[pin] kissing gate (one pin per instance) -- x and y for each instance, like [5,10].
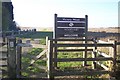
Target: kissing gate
[70,36]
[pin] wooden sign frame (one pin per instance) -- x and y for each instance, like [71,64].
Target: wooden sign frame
[68,27]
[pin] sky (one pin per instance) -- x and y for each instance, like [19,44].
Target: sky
[40,13]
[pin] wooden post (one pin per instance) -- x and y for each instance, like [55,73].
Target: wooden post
[86,29]
[12,57]
[55,36]
[50,60]
[94,54]
[111,53]
[115,55]
[55,28]
[46,40]
[55,55]
[19,51]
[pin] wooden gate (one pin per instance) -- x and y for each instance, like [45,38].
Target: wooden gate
[74,45]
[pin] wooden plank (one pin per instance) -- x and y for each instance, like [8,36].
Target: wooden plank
[3,58]
[32,45]
[118,43]
[102,42]
[2,44]
[3,49]
[24,45]
[73,50]
[82,45]
[3,65]
[38,46]
[83,59]
[39,56]
[103,54]
[77,72]
[50,60]
[42,53]
[102,65]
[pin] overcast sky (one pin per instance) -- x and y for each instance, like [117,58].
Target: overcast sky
[40,13]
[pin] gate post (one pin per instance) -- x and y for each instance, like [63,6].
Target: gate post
[111,53]
[85,42]
[94,54]
[12,57]
[18,62]
[55,55]
[47,40]
[115,55]
[50,60]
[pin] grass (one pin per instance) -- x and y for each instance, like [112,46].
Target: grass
[28,70]
[63,65]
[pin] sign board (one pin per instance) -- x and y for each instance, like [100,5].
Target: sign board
[67,27]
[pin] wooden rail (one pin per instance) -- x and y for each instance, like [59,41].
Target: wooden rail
[103,54]
[39,56]
[83,59]
[102,65]
[83,45]
[78,72]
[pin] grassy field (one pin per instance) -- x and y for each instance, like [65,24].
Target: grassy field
[30,70]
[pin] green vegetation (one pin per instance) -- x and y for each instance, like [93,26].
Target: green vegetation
[64,65]
[35,51]
[43,41]
[27,69]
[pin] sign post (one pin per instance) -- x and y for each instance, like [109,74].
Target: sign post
[72,28]
[12,57]
[67,27]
